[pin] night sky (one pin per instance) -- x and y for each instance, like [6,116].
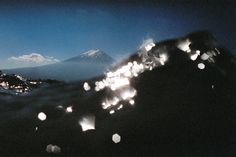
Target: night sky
[63,29]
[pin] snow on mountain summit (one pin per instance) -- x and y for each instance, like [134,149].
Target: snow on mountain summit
[94,55]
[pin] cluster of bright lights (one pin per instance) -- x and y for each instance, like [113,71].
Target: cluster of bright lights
[120,78]
[20,88]
[209,56]
[4,85]
[118,81]
[17,89]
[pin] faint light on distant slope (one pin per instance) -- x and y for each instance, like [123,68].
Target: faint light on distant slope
[87,123]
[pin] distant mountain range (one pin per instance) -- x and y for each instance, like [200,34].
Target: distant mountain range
[83,66]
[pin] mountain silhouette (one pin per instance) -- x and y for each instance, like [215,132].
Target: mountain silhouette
[92,56]
[175,99]
[73,69]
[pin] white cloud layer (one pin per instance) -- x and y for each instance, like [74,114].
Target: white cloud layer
[34,58]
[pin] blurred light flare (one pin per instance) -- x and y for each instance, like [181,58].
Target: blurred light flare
[87,123]
[53,149]
[69,109]
[184,45]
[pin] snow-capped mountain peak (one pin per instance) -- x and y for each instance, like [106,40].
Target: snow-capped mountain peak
[92,53]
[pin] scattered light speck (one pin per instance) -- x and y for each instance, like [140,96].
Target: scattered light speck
[86,86]
[194,56]
[201,66]
[112,112]
[59,107]
[131,102]
[69,109]
[53,149]
[120,107]
[116,138]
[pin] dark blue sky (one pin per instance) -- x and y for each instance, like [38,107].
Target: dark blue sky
[64,30]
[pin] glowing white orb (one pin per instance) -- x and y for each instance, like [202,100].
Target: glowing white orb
[86,86]
[116,138]
[112,112]
[42,116]
[201,66]
[131,102]
[69,109]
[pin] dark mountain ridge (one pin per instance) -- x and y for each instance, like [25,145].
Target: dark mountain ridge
[178,99]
